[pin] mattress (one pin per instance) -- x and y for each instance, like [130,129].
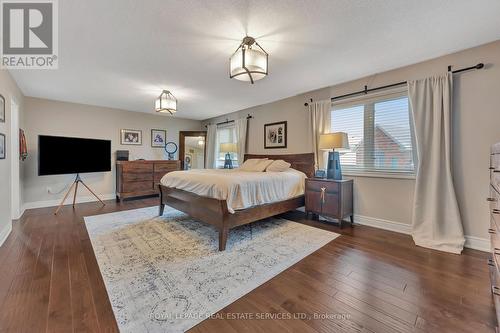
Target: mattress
[241,189]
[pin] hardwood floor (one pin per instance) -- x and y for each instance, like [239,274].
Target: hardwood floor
[367,280]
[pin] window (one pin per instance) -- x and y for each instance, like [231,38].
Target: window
[380,134]
[226,134]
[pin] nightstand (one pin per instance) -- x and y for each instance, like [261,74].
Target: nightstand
[331,198]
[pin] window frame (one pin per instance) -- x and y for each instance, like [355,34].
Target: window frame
[369,122]
[219,162]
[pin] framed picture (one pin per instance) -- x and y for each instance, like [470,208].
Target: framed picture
[275,135]
[2,146]
[158,138]
[131,137]
[2,109]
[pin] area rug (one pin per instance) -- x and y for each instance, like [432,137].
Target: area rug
[165,274]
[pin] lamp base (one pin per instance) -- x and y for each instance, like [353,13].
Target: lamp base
[333,170]
[228,163]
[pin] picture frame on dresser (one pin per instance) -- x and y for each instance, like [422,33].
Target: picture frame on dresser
[3,148]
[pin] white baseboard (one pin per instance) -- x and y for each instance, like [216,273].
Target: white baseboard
[20,213]
[56,202]
[471,242]
[5,232]
[402,228]
[477,243]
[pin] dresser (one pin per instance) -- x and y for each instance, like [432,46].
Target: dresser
[331,198]
[140,178]
[494,230]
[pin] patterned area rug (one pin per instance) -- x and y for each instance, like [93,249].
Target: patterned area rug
[165,274]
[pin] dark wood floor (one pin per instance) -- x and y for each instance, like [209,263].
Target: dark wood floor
[367,280]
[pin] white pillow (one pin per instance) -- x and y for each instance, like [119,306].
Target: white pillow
[255,164]
[278,166]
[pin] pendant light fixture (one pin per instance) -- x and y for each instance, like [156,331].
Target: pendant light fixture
[249,62]
[166,103]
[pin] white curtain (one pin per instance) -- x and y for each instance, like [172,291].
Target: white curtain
[241,137]
[436,221]
[319,123]
[211,146]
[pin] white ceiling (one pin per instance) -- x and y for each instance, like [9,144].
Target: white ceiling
[122,53]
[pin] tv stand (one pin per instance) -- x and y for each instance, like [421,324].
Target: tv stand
[75,184]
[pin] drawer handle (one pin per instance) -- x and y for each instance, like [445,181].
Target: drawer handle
[496,211]
[491,262]
[322,195]
[495,290]
[491,168]
[496,170]
[491,199]
[496,250]
[491,231]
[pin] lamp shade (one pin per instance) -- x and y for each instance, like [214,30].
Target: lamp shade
[249,62]
[166,103]
[228,147]
[333,140]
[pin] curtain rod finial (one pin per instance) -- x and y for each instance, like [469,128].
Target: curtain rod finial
[480,65]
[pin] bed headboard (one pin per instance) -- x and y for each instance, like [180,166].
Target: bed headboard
[301,162]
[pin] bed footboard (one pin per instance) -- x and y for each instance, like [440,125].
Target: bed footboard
[215,212]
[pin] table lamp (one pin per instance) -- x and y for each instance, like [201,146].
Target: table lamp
[331,141]
[228,148]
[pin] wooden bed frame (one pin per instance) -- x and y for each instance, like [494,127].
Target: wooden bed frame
[215,212]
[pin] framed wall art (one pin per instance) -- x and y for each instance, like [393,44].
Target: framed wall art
[3,149]
[158,138]
[275,135]
[2,109]
[131,137]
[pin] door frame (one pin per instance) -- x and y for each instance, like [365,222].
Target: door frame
[182,137]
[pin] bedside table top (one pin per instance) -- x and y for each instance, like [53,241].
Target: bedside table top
[328,180]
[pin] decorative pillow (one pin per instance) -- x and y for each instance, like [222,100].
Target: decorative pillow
[255,164]
[278,166]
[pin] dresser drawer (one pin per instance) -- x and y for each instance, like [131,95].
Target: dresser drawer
[167,167]
[493,198]
[137,167]
[137,186]
[495,161]
[495,289]
[134,177]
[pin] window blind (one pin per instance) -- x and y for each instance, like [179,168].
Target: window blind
[379,131]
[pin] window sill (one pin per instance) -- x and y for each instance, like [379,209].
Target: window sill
[392,175]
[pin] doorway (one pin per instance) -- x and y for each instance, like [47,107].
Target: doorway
[192,149]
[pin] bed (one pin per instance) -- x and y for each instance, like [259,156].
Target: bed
[224,217]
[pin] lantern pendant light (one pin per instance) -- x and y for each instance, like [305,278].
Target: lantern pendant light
[249,62]
[166,103]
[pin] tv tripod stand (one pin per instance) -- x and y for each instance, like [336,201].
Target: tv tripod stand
[75,184]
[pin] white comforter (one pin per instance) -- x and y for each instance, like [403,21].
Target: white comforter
[241,189]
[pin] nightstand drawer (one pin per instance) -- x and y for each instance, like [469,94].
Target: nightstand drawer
[317,186]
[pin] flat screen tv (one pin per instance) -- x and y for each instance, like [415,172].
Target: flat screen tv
[59,155]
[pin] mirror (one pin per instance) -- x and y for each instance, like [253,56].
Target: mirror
[192,149]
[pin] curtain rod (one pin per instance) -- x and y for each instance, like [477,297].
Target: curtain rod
[366,90]
[227,121]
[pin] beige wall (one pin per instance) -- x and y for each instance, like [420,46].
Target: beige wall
[476,126]
[68,119]
[9,90]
